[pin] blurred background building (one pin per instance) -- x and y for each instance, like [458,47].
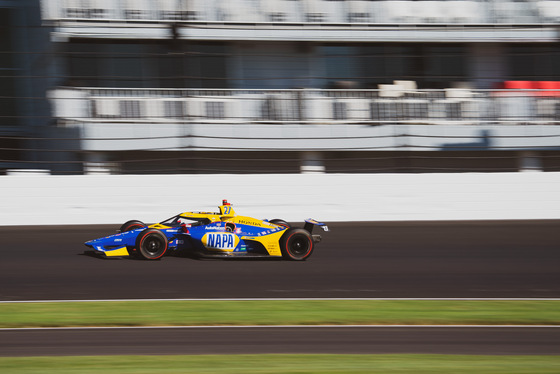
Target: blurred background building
[28,133]
[284,86]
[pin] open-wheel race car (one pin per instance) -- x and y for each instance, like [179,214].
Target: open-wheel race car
[222,234]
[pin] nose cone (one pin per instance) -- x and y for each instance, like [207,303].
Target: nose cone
[120,239]
[91,243]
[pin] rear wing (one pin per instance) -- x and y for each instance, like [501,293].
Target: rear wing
[310,223]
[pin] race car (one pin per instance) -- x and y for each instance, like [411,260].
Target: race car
[223,234]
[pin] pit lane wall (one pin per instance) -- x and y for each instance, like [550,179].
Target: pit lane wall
[114,199]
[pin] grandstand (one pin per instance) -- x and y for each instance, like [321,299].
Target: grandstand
[242,86]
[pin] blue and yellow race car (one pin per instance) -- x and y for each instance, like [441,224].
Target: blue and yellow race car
[222,234]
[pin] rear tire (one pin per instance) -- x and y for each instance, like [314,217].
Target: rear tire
[132,225]
[296,244]
[151,244]
[280,222]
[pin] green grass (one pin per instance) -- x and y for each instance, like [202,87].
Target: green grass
[270,364]
[279,312]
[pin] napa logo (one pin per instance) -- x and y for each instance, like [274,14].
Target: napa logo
[223,241]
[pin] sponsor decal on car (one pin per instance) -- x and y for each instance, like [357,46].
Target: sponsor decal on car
[242,248]
[251,222]
[214,228]
[224,241]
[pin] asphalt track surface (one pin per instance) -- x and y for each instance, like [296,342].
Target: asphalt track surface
[242,340]
[418,260]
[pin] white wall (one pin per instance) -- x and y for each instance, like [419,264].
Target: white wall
[107,199]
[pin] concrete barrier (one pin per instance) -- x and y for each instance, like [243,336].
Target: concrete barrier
[113,199]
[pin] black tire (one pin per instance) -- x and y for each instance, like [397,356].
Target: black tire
[132,225]
[151,244]
[280,222]
[296,244]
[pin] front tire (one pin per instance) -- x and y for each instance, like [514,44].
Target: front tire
[280,222]
[132,225]
[296,244]
[151,244]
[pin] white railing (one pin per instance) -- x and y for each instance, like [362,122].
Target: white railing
[386,105]
[307,11]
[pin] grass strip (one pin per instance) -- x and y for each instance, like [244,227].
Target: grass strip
[270,364]
[280,312]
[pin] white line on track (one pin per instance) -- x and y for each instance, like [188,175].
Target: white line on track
[276,327]
[300,299]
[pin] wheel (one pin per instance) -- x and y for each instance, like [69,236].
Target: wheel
[132,225]
[296,244]
[151,244]
[280,222]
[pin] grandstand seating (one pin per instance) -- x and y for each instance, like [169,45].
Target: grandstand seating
[531,88]
[310,11]
[171,10]
[399,102]
[549,11]
[359,11]
[137,10]
[548,87]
